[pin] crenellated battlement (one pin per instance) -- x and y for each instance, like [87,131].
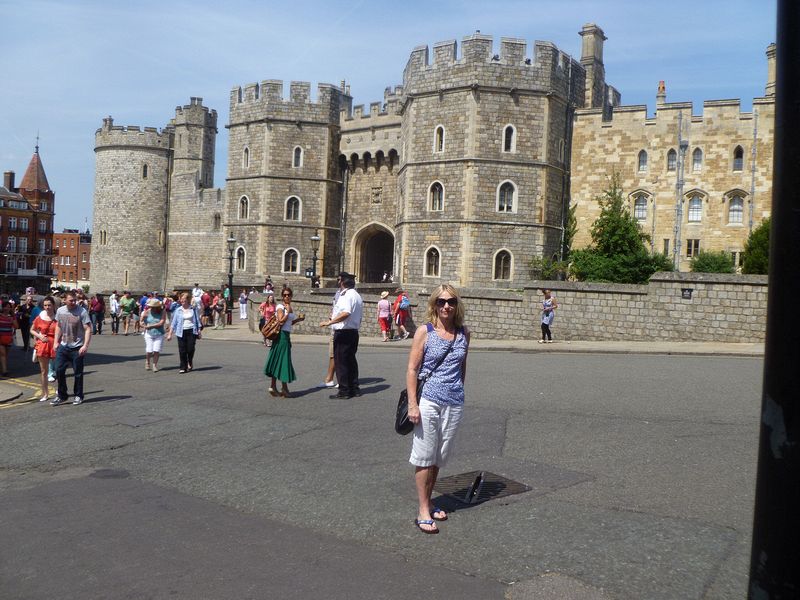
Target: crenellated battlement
[546,70]
[265,100]
[132,135]
[714,111]
[195,113]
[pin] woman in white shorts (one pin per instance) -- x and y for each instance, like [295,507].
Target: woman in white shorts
[438,413]
[153,319]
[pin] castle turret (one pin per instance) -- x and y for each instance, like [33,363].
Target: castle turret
[195,138]
[130,200]
[592,61]
[772,54]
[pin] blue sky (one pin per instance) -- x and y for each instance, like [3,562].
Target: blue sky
[67,64]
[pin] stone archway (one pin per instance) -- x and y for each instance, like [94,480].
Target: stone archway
[374,253]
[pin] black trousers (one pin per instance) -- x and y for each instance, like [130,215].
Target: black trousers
[186,348]
[546,332]
[345,346]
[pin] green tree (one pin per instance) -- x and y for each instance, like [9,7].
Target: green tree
[545,268]
[570,229]
[756,251]
[713,262]
[618,252]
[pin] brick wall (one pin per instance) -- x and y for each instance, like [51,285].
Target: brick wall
[722,308]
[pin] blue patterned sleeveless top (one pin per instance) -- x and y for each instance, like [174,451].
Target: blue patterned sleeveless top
[445,386]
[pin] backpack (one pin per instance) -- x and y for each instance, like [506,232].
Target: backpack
[405,303]
[272,328]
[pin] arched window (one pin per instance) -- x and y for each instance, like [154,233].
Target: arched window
[436,197]
[509,139]
[216,222]
[738,158]
[432,259]
[502,265]
[144,171]
[695,209]
[640,208]
[240,259]
[736,210]
[244,207]
[297,158]
[246,157]
[290,260]
[697,160]
[438,139]
[506,197]
[292,209]
[672,160]
[642,161]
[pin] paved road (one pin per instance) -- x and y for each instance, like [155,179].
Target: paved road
[201,486]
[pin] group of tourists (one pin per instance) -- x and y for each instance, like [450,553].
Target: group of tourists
[435,373]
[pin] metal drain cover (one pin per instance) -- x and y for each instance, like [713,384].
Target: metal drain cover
[479,486]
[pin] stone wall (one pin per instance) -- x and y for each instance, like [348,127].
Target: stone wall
[722,308]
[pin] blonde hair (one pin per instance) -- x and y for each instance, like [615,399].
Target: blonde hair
[433,313]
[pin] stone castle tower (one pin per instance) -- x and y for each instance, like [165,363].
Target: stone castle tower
[145,179]
[461,174]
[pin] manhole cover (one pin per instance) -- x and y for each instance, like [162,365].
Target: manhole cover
[479,486]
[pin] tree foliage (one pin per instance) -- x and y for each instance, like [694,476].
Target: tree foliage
[545,268]
[712,262]
[618,252]
[756,251]
[570,230]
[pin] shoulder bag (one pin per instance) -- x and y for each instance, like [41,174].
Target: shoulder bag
[401,423]
[272,328]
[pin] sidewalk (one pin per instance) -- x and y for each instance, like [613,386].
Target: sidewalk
[240,332]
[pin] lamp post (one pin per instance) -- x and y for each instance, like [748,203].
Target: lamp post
[315,239]
[231,242]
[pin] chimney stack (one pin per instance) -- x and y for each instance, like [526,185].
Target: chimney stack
[8,180]
[771,68]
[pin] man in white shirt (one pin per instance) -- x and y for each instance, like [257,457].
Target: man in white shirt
[346,319]
[197,294]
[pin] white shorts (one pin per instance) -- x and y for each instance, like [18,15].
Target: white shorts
[434,435]
[153,342]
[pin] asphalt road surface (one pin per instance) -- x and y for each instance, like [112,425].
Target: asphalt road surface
[162,485]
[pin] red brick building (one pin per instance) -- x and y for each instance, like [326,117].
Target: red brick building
[72,251]
[26,229]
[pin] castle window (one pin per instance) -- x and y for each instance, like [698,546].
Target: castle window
[738,158]
[160,240]
[642,161]
[438,139]
[240,259]
[257,91]
[125,280]
[246,158]
[432,260]
[293,206]
[672,160]
[216,222]
[692,248]
[290,260]
[695,209]
[506,197]
[502,265]
[640,208]
[509,139]
[297,159]
[436,197]
[736,210]
[697,160]
[144,171]
[244,207]
[239,96]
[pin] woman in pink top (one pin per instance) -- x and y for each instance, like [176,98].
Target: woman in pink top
[384,315]
[267,309]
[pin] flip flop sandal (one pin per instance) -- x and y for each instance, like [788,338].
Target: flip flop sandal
[435,510]
[419,522]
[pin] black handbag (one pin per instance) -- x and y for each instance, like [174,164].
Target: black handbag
[401,423]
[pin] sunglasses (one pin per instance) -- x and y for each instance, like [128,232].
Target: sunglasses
[440,302]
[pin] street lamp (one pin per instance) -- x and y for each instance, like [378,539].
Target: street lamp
[315,239]
[231,242]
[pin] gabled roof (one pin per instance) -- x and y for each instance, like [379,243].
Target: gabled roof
[34,178]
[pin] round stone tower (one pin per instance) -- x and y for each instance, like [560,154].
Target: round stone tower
[130,207]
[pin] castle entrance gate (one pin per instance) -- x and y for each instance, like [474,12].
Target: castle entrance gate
[374,253]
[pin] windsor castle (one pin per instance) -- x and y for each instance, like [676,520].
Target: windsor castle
[461,174]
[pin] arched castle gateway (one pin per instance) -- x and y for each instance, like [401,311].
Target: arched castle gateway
[460,174]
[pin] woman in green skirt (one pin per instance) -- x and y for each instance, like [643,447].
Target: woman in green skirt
[279,361]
